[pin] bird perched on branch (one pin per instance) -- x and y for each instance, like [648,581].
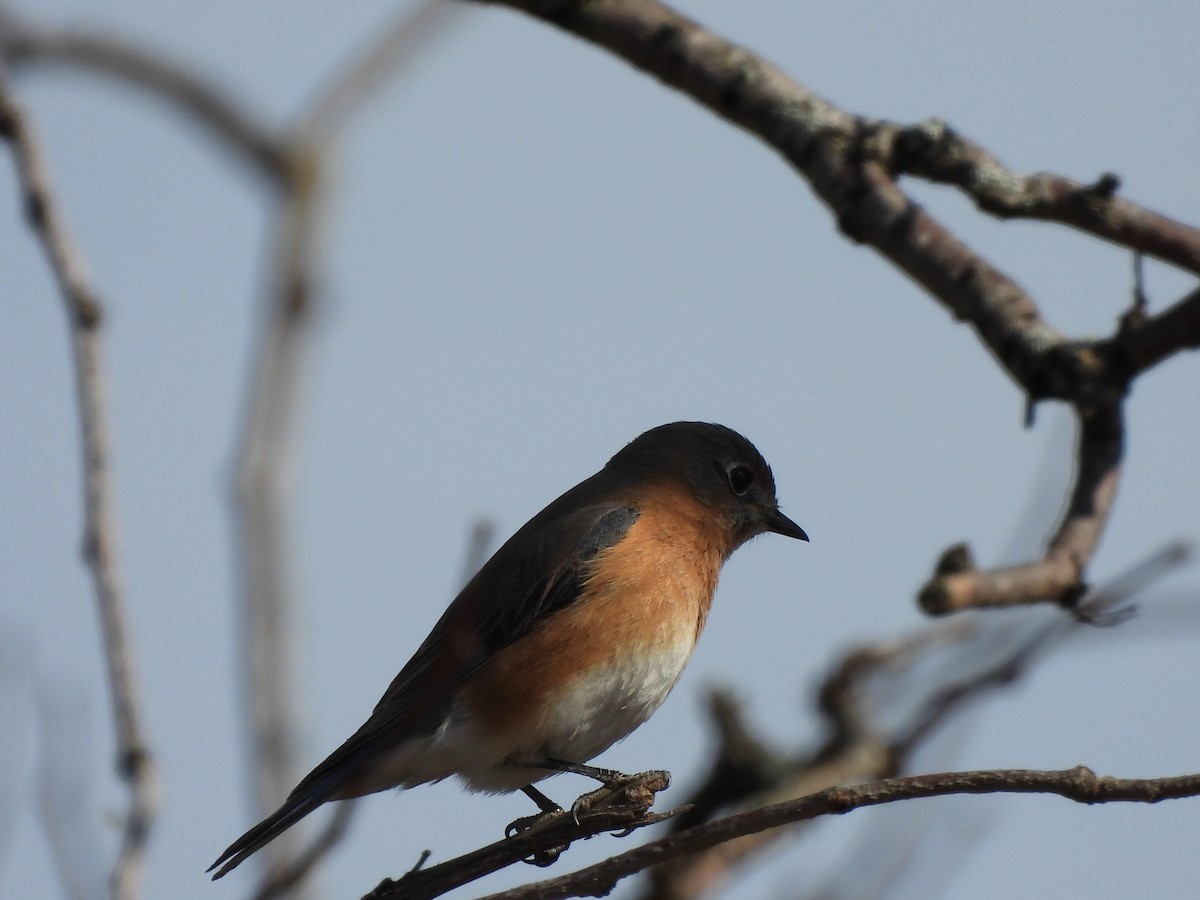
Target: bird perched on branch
[568,638]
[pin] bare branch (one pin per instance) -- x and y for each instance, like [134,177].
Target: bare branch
[411,31]
[181,88]
[834,152]
[84,314]
[1058,576]
[852,164]
[934,151]
[623,808]
[266,464]
[1147,341]
[1079,784]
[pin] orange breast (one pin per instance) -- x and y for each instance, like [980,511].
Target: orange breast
[626,638]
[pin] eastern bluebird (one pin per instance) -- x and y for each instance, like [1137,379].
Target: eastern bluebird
[568,638]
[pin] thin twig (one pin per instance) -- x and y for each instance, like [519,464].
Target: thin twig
[84,315]
[264,480]
[412,31]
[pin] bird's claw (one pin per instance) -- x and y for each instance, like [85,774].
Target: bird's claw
[547,855]
[622,794]
[625,792]
[523,824]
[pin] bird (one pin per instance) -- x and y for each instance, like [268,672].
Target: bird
[567,639]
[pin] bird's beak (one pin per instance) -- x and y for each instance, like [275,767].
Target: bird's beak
[778,523]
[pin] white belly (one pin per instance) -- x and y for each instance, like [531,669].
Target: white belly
[609,702]
[582,720]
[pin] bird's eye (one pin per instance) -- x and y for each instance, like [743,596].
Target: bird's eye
[740,479]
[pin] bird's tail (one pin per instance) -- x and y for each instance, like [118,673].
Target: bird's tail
[293,810]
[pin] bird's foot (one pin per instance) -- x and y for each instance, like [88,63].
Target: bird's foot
[622,801]
[627,794]
[523,824]
[547,855]
[550,812]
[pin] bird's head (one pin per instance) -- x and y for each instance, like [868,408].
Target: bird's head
[721,469]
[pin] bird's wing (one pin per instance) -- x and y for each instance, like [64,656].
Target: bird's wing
[511,612]
[540,570]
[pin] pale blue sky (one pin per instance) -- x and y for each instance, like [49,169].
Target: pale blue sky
[537,253]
